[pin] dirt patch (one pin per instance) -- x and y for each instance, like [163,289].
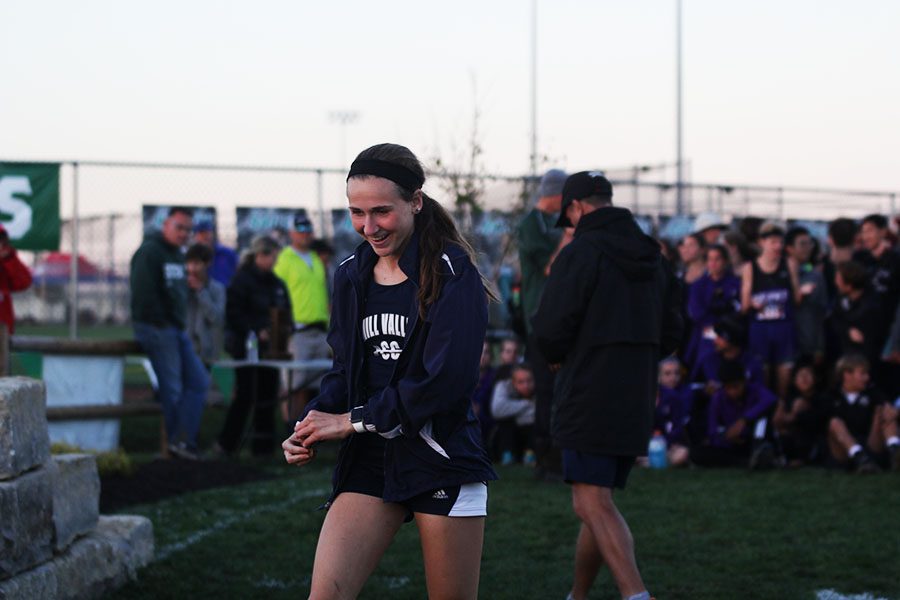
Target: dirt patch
[161,479]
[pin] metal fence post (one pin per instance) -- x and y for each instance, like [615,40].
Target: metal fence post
[320,198]
[73,264]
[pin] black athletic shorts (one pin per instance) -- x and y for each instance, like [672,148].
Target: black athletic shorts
[596,469]
[365,475]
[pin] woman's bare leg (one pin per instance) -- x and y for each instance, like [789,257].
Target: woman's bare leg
[356,532]
[451,547]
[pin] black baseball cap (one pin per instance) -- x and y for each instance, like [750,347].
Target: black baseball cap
[578,186]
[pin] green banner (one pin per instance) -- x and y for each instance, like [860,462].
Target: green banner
[29,204]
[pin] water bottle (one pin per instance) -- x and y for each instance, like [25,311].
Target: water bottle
[252,347]
[657,453]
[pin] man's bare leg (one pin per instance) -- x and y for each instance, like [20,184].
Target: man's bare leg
[594,506]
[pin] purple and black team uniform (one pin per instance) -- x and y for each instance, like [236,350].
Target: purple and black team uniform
[708,301]
[421,447]
[672,413]
[707,369]
[755,405]
[771,334]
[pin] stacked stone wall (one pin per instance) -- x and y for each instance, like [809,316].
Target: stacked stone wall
[53,542]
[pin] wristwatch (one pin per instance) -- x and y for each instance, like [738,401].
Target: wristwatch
[356,419]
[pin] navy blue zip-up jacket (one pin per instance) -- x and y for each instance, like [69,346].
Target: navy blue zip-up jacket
[425,412]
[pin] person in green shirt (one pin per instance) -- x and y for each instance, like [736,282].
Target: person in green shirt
[303,274]
[159,293]
[539,242]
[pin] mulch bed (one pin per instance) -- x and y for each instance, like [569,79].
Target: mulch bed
[161,479]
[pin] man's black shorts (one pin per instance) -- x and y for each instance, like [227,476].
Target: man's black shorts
[596,469]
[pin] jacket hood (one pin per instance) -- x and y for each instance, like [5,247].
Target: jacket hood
[158,238]
[617,235]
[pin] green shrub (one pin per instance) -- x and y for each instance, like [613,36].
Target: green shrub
[108,463]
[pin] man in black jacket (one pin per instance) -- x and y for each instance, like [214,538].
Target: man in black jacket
[609,313]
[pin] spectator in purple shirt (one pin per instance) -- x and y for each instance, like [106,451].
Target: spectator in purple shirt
[716,294]
[729,342]
[737,423]
[225,260]
[673,406]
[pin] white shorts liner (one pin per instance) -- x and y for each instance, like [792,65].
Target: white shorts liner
[471,502]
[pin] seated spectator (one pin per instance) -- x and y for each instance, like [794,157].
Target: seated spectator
[673,407]
[716,294]
[799,418]
[481,397]
[736,423]
[862,430]
[856,319]
[810,313]
[512,407]
[770,290]
[509,356]
[729,342]
[205,305]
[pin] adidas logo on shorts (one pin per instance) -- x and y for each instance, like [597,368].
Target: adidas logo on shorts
[440,495]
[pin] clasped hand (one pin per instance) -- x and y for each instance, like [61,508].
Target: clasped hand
[315,427]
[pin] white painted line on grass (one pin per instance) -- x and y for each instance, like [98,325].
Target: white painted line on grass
[270,583]
[833,595]
[166,551]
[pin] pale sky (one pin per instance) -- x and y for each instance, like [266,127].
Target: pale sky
[780,92]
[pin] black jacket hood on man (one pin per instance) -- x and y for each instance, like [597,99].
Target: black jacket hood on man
[609,312]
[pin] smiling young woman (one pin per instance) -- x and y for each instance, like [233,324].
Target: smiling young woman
[408,323]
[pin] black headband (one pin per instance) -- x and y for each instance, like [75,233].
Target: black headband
[380,168]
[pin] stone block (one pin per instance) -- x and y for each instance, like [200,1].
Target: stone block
[24,441]
[37,583]
[132,537]
[76,497]
[107,558]
[26,521]
[88,568]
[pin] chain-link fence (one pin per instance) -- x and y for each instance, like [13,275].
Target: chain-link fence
[109,198]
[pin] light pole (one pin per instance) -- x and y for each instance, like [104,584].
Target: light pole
[343,118]
[679,178]
[534,155]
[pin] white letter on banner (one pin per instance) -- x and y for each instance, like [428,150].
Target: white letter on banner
[20,211]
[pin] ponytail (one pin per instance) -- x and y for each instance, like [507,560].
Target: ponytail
[436,228]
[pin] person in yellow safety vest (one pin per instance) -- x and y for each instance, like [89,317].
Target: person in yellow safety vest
[304,275]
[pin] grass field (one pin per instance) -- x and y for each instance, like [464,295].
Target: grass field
[699,534]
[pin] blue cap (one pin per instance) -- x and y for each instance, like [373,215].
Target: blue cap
[302,224]
[203,226]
